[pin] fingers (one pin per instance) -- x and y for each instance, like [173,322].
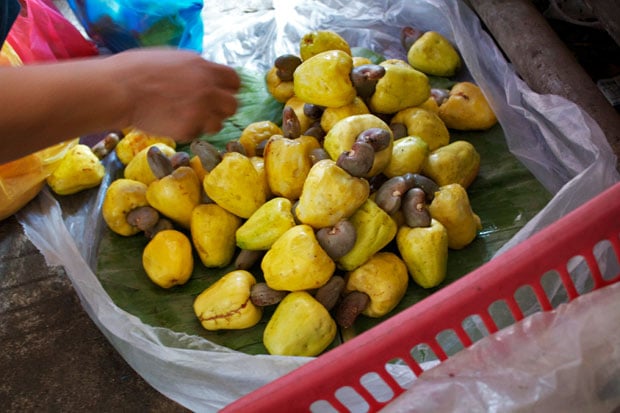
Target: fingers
[177,93]
[221,102]
[225,77]
[209,119]
[226,104]
[218,101]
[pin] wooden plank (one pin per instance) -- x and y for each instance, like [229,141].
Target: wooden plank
[544,62]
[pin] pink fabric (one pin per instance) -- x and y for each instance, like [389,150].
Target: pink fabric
[42,33]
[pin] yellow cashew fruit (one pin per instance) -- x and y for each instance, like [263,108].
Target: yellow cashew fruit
[374,228]
[167,258]
[344,133]
[331,116]
[257,132]
[196,164]
[402,86]
[433,54]
[300,326]
[467,108]
[235,185]
[429,104]
[455,163]
[287,163]
[78,170]
[226,304]
[384,278]
[213,234]
[138,168]
[296,261]
[298,107]
[408,156]
[281,90]
[315,42]
[259,165]
[135,140]
[122,196]
[425,124]
[425,252]
[330,194]
[266,225]
[324,80]
[451,207]
[176,195]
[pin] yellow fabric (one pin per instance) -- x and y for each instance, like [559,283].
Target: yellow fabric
[8,57]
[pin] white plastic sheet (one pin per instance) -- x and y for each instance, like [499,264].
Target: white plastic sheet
[555,139]
[566,360]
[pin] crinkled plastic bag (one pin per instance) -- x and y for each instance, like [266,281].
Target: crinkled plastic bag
[566,360]
[125,24]
[22,179]
[559,143]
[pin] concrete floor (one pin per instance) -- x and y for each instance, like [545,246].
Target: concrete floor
[54,358]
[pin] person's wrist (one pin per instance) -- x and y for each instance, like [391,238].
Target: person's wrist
[119,92]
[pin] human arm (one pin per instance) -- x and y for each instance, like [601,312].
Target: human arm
[162,91]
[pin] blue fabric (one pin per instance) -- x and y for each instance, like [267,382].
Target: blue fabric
[9,10]
[125,24]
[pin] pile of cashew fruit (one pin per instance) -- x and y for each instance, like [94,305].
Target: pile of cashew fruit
[362,159]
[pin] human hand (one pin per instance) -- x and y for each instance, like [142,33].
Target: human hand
[173,92]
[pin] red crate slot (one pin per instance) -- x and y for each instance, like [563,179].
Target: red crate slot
[344,369]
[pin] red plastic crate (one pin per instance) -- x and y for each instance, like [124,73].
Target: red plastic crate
[550,250]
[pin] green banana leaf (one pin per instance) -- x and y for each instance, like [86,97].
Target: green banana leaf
[505,195]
